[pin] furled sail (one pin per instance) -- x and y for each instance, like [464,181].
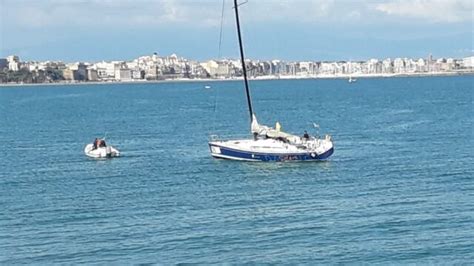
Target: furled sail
[269,132]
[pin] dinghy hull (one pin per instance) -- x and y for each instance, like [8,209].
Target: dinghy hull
[102,152]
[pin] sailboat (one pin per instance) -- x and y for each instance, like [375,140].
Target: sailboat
[351,79]
[267,143]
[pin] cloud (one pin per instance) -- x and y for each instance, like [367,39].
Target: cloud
[289,10]
[75,28]
[128,14]
[431,10]
[162,13]
[107,13]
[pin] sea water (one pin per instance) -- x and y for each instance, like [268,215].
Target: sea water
[399,187]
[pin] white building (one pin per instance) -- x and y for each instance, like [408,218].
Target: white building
[398,65]
[468,62]
[353,67]
[421,65]
[13,63]
[327,68]
[107,70]
[374,66]
[410,65]
[123,74]
[387,66]
[305,68]
[210,67]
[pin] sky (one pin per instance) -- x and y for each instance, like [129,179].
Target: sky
[313,30]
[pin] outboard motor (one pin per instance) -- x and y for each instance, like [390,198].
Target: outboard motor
[108,151]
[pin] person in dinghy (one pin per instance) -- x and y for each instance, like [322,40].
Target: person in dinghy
[99,143]
[99,149]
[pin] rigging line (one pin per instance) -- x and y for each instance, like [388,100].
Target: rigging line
[219,55]
[215,114]
[220,32]
[243,3]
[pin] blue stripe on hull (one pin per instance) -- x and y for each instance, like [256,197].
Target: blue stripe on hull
[227,153]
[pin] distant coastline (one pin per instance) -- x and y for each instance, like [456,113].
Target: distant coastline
[269,77]
[158,69]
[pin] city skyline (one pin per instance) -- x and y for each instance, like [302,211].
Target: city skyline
[234,58]
[155,67]
[94,30]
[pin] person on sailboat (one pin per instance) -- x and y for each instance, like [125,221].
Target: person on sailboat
[306,135]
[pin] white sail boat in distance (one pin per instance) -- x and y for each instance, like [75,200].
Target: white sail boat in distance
[269,144]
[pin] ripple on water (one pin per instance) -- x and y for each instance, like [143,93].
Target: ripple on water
[398,188]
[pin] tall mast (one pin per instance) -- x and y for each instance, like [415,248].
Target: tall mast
[242,59]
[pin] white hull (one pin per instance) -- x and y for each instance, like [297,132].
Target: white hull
[102,152]
[272,150]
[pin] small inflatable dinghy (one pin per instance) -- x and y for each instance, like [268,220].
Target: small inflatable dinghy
[101,152]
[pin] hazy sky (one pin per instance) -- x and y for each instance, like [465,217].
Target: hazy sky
[94,30]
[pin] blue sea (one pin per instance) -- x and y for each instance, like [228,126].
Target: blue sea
[398,189]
